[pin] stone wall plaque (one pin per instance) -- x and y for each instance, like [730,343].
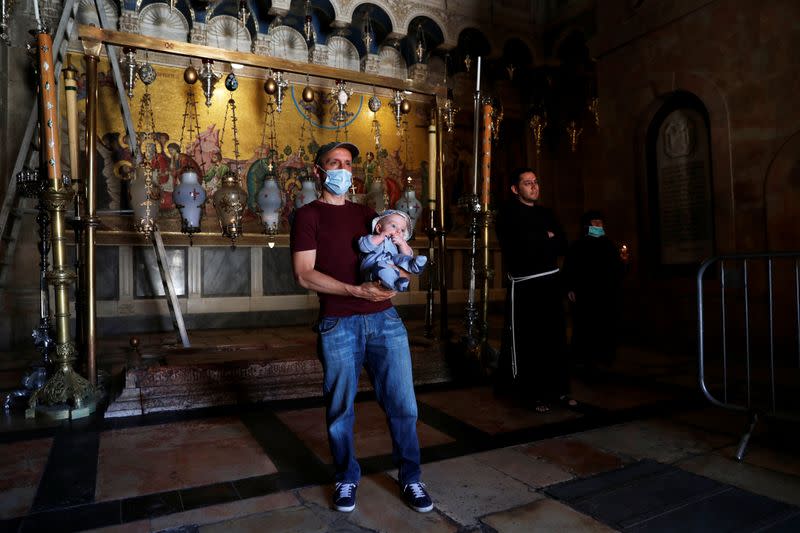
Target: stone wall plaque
[685,214]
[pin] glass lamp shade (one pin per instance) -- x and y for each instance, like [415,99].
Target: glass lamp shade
[189,197]
[144,194]
[270,202]
[376,195]
[229,202]
[409,205]
[307,194]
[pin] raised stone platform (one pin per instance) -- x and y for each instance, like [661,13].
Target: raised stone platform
[282,366]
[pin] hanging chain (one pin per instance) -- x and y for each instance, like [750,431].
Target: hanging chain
[232,107]
[189,113]
[269,122]
[146,114]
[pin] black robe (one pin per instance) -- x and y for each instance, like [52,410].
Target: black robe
[539,333]
[593,270]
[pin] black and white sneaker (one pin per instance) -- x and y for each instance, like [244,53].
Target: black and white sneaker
[344,496]
[417,497]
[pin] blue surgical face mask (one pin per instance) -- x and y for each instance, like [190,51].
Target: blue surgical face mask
[338,181]
[596,231]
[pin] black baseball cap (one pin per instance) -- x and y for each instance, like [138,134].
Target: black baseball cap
[325,148]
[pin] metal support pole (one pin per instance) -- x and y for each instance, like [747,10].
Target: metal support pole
[91,54]
[440,229]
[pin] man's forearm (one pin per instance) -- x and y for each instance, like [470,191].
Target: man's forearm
[316,281]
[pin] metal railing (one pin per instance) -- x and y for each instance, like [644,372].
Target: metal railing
[749,350]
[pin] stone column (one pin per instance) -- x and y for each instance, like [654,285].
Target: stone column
[129,21]
[318,54]
[261,46]
[371,63]
[198,34]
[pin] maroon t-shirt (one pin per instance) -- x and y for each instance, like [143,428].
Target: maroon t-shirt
[333,231]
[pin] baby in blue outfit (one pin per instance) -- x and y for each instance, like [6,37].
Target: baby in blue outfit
[387,251]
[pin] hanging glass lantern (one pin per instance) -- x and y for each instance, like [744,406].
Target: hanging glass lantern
[308,190]
[538,123]
[209,78]
[270,203]
[189,198]
[131,68]
[409,204]
[229,202]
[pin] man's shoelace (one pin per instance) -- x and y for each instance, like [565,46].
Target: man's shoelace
[417,489]
[345,489]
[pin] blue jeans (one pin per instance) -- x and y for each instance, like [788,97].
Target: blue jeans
[379,342]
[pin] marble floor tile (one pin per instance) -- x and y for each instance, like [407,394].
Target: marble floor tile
[660,440]
[777,461]
[615,396]
[291,520]
[21,468]
[479,407]
[140,526]
[371,433]
[775,485]
[465,489]
[544,515]
[145,460]
[379,507]
[226,511]
[522,466]
[575,456]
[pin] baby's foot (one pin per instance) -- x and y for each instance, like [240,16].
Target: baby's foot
[418,264]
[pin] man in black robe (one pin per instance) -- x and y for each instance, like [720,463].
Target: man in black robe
[533,361]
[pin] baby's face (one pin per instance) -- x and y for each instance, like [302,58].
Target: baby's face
[393,225]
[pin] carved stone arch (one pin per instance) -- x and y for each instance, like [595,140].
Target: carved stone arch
[87,14]
[343,54]
[781,191]
[392,63]
[225,31]
[434,16]
[158,20]
[536,58]
[648,95]
[288,43]
[349,11]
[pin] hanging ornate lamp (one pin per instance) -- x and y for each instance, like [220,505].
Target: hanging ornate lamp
[341,94]
[230,199]
[5,15]
[397,104]
[209,78]
[467,62]
[131,68]
[510,68]
[538,123]
[449,110]
[421,47]
[594,109]
[144,189]
[308,25]
[190,75]
[574,132]
[308,92]
[280,90]
[367,34]
[146,71]
[244,12]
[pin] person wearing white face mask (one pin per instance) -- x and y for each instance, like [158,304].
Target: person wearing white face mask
[358,326]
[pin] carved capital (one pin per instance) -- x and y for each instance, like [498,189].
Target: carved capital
[371,63]
[129,21]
